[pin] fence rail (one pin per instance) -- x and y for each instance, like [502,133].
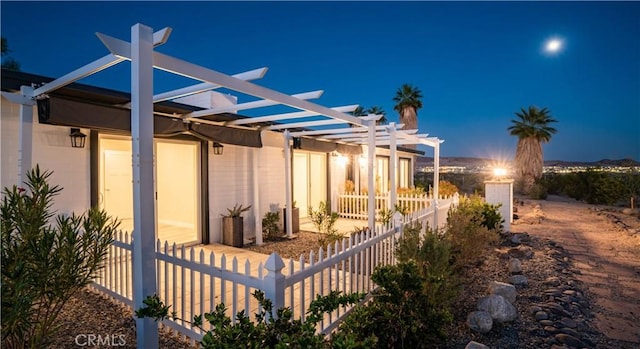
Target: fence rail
[355,206]
[193,281]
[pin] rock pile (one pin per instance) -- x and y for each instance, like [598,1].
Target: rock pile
[560,311]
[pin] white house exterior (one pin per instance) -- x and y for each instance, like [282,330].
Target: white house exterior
[188,206]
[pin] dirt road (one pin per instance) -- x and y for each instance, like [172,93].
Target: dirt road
[607,257]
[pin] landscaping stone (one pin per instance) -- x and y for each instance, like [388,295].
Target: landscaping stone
[569,340]
[518,280]
[541,315]
[515,266]
[475,345]
[567,322]
[499,308]
[480,321]
[505,290]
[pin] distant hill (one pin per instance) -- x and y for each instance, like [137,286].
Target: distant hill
[470,162]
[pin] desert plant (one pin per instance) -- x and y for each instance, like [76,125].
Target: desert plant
[385,216]
[46,258]
[446,188]
[236,211]
[471,228]
[270,330]
[398,315]
[349,186]
[324,220]
[270,228]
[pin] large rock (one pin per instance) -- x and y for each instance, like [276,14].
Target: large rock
[480,321]
[505,290]
[475,345]
[518,280]
[499,308]
[515,266]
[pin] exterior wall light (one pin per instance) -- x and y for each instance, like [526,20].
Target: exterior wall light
[78,138]
[217,148]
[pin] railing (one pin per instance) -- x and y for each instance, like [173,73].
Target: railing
[355,206]
[193,281]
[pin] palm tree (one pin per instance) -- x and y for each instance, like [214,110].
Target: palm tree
[7,61]
[379,111]
[359,111]
[407,104]
[532,127]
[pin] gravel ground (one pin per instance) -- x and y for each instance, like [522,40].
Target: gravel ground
[91,313]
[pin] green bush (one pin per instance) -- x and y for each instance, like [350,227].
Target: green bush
[480,212]
[398,315]
[594,186]
[538,191]
[270,228]
[324,220]
[44,264]
[269,330]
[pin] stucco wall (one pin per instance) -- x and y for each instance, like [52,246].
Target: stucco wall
[51,150]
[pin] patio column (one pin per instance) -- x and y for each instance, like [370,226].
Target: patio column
[371,154]
[26,137]
[256,195]
[144,219]
[436,181]
[393,166]
[287,184]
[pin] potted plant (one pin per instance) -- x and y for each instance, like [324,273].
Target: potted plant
[233,226]
[295,219]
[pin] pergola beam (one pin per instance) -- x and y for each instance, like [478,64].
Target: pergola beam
[285,116]
[250,105]
[305,124]
[206,86]
[190,70]
[86,70]
[337,130]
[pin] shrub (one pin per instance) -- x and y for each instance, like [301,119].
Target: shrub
[471,228]
[398,315]
[269,330]
[538,191]
[270,228]
[324,220]
[446,188]
[44,264]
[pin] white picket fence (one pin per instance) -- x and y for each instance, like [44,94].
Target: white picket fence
[193,281]
[355,206]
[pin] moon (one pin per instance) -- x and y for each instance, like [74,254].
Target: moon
[553,46]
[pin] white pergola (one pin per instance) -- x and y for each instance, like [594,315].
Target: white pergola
[140,51]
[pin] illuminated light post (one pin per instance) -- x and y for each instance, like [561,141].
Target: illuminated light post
[499,190]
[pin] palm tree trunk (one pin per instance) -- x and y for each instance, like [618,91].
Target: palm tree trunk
[529,162]
[409,118]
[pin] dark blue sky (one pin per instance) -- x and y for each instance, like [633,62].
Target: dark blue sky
[475,62]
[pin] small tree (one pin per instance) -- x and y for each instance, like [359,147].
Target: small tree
[45,259]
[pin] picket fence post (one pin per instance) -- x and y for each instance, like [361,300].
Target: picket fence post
[273,282]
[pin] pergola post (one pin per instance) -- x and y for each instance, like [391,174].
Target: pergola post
[26,137]
[436,180]
[393,166]
[371,154]
[144,219]
[287,184]
[256,195]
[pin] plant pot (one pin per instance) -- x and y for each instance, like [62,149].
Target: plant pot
[233,231]
[295,220]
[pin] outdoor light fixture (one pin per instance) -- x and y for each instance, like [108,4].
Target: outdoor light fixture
[499,172]
[217,148]
[77,138]
[297,143]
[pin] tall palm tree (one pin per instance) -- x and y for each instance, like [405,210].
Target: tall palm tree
[532,127]
[407,104]
[378,111]
[359,111]
[7,61]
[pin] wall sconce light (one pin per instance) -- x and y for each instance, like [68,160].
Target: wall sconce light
[77,138]
[217,148]
[297,143]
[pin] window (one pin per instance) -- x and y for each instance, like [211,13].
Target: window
[404,173]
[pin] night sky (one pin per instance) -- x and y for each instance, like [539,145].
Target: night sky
[476,62]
